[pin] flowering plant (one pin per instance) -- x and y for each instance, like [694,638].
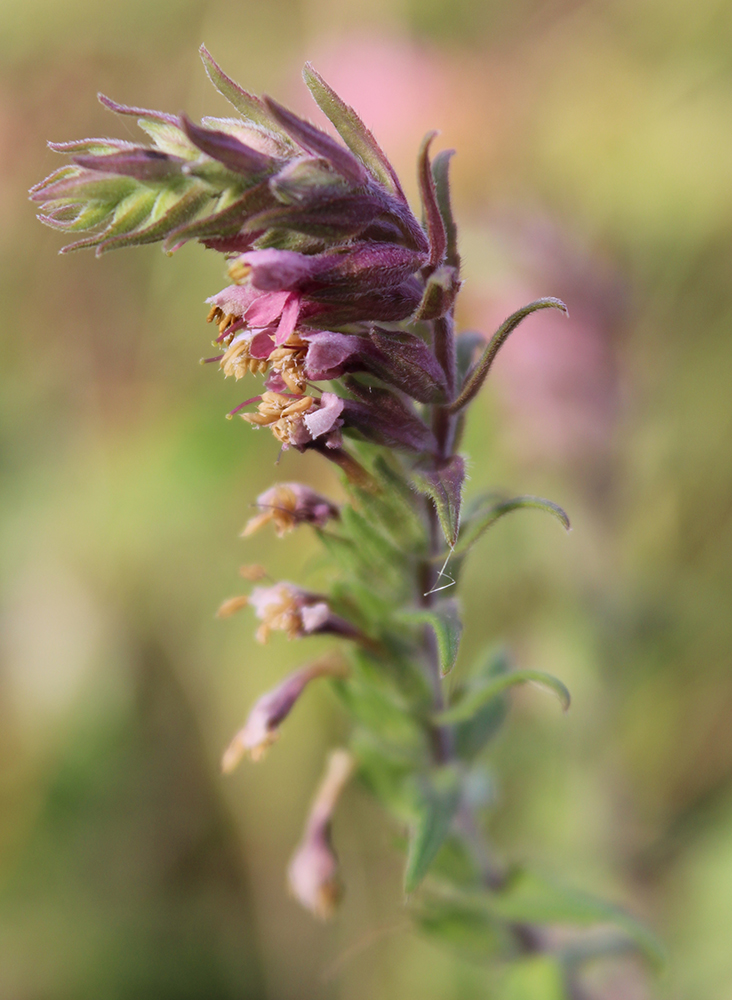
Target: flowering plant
[342,303]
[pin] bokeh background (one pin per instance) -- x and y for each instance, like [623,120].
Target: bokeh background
[594,163]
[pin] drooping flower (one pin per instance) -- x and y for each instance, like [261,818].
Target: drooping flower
[269,712]
[313,871]
[286,608]
[287,505]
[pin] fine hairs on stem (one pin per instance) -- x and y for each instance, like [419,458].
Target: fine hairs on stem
[339,309]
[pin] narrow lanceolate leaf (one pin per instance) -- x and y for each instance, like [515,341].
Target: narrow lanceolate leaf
[249,106]
[142,164]
[315,141]
[531,898]
[487,515]
[170,210]
[473,734]
[444,620]
[352,130]
[437,803]
[433,217]
[441,174]
[477,376]
[445,487]
[475,699]
[224,221]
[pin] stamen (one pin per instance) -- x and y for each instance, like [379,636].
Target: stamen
[241,406]
[207,361]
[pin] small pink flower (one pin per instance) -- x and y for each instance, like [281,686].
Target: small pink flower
[269,712]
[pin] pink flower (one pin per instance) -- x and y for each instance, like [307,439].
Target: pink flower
[269,712]
[274,313]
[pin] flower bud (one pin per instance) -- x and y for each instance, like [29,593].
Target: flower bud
[313,872]
[269,712]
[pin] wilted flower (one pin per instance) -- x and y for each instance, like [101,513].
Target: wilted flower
[313,872]
[262,725]
[288,504]
[286,608]
[297,421]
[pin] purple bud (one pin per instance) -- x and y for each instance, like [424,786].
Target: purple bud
[233,154]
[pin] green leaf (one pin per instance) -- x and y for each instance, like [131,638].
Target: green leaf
[249,106]
[445,488]
[537,978]
[433,217]
[474,381]
[352,130]
[530,898]
[482,519]
[385,774]
[440,172]
[170,210]
[437,803]
[467,929]
[474,733]
[383,714]
[444,620]
[477,698]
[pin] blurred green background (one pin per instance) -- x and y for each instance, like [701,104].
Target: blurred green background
[594,163]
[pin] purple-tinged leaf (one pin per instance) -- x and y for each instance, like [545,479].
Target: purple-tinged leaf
[476,378]
[234,155]
[433,217]
[381,416]
[441,174]
[367,264]
[439,294]
[124,109]
[315,141]
[444,486]
[339,217]
[249,106]
[226,222]
[305,180]
[331,307]
[92,146]
[77,183]
[39,191]
[142,164]
[404,361]
[353,131]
